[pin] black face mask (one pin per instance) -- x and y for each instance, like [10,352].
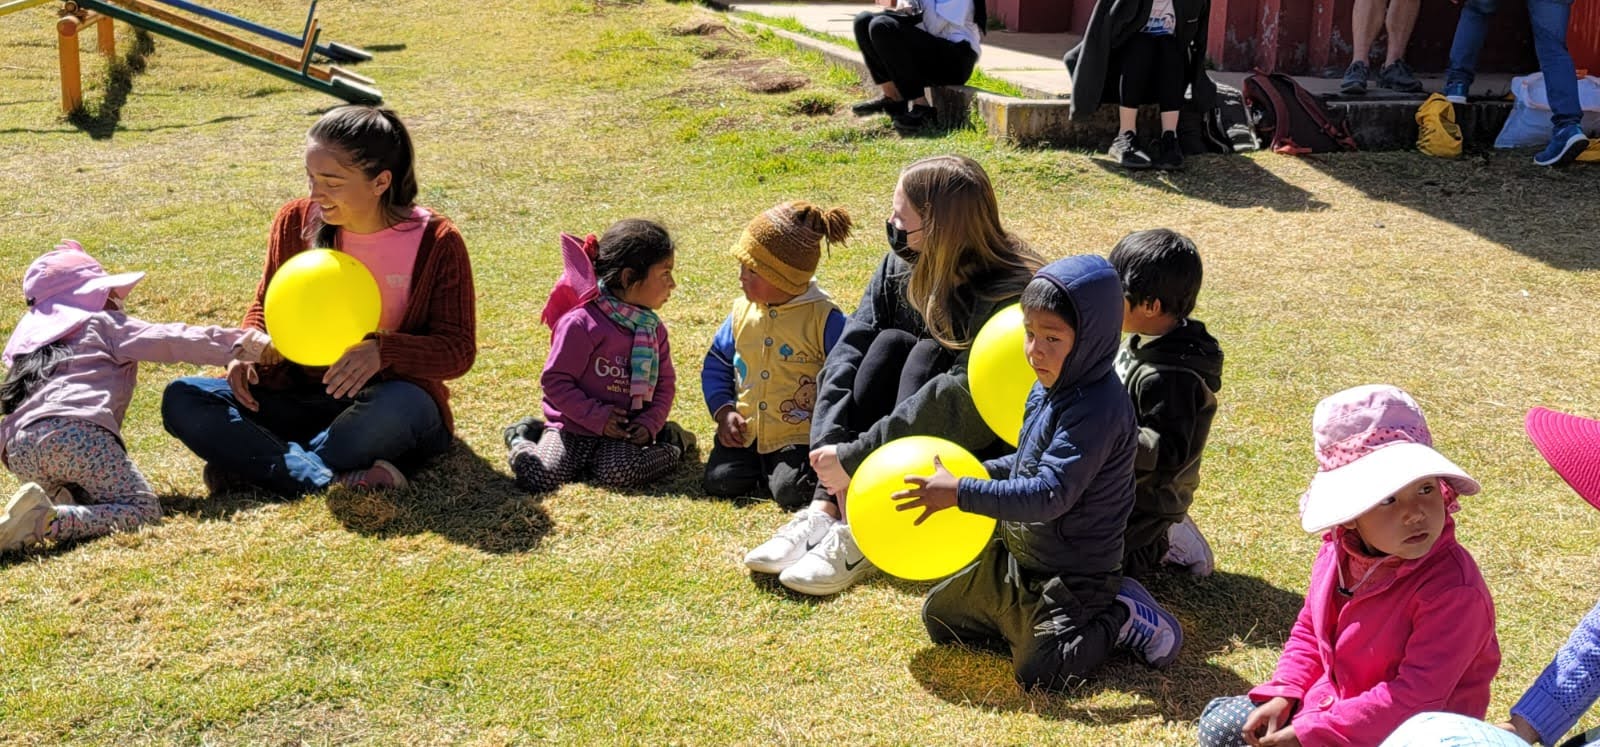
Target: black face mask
[898,238]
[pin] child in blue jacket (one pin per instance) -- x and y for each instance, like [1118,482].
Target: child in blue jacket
[1050,585]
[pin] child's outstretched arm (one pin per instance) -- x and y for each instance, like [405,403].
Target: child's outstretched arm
[1449,630]
[1569,685]
[1065,468]
[130,339]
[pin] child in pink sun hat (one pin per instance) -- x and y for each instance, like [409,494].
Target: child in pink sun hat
[1397,618]
[1570,683]
[73,360]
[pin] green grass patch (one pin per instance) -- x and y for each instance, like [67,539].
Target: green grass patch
[461,611]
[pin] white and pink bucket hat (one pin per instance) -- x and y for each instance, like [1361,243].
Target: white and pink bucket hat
[1371,441]
[63,288]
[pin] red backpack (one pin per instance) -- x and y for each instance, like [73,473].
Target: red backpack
[1292,120]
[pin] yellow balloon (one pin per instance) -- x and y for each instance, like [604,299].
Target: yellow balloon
[943,544]
[318,304]
[999,374]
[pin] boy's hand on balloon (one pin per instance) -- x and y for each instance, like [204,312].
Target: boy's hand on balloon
[353,369]
[240,376]
[730,427]
[933,493]
[830,472]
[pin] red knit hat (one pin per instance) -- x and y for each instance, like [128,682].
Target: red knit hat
[1571,445]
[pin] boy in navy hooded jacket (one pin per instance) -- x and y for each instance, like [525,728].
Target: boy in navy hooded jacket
[1049,587]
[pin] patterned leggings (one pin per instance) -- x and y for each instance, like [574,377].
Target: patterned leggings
[561,457]
[1222,722]
[58,452]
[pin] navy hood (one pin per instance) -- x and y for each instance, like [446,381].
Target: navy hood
[1094,289]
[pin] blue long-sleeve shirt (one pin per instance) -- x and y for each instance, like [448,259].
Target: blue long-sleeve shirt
[1568,685]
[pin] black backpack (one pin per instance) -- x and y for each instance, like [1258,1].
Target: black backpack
[1290,119]
[1225,128]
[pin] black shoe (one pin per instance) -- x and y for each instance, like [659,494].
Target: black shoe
[675,436]
[916,119]
[1126,151]
[1398,77]
[880,104]
[1355,79]
[526,429]
[1168,154]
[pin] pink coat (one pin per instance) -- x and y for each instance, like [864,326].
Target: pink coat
[1417,638]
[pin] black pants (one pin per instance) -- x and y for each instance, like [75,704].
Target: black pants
[894,367]
[784,475]
[1152,72]
[896,50]
[1056,628]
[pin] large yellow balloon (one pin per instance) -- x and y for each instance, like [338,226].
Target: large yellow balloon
[943,544]
[999,374]
[318,304]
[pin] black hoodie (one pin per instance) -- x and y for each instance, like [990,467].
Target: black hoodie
[1173,380]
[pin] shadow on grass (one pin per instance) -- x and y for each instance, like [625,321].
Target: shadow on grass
[102,123]
[459,496]
[1218,613]
[1232,182]
[1500,196]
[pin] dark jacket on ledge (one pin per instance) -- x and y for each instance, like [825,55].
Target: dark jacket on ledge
[1094,66]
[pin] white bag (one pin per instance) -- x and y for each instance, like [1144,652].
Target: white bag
[1529,123]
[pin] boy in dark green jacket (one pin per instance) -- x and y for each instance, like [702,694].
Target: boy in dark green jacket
[1172,369]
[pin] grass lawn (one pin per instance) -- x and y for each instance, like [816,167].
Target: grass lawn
[461,611]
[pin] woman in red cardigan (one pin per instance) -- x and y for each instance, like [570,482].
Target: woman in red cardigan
[293,429]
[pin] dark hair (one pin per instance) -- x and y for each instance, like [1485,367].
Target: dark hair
[633,244]
[1042,294]
[28,371]
[374,140]
[1159,264]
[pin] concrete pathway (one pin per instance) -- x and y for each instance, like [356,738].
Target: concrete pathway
[1032,62]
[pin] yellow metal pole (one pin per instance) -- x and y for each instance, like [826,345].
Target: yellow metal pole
[71,76]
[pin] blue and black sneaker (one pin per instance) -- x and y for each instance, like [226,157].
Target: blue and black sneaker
[1151,633]
[1564,147]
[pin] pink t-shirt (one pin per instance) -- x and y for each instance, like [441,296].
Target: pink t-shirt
[390,255]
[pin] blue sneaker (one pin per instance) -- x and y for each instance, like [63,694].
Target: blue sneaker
[1455,93]
[1564,147]
[1151,633]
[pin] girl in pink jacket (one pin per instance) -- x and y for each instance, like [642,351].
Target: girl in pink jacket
[1397,619]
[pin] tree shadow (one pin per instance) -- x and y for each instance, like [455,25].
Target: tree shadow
[102,123]
[1229,181]
[1501,196]
[460,496]
[1221,612]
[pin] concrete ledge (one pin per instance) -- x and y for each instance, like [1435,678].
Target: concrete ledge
[1384,124]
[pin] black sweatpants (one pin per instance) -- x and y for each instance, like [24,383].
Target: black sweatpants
[894,367]
[899,51]
[1152,72]
[1056,628]
[784,475]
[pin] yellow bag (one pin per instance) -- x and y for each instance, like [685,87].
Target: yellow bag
[1591,154]
[1437,132]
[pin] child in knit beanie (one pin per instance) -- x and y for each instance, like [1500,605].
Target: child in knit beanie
[760,375]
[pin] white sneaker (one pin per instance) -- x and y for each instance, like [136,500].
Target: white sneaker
[791,542]
[27,516]
[829,568]
[1187,547]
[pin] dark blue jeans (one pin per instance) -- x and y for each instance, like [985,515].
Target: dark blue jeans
[1549,19]
[300,438]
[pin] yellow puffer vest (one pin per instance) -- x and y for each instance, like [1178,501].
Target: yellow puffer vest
[778,353]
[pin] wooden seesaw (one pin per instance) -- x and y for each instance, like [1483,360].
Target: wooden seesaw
[297,69]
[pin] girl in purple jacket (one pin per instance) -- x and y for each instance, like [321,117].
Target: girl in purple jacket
[608,381]
[74,359]
[1397,619]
